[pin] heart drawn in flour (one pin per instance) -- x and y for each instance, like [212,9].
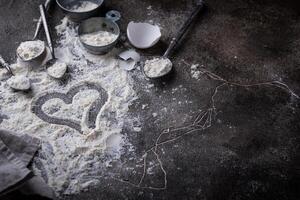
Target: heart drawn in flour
[67,98]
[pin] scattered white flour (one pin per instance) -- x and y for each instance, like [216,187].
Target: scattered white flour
[150,11]
[84,6]
[57,70]
[137,129]
[71,161]
[19,69]
[99,38]
[154,114]
[195,72]
[19,82]
[157,67]
[3,74]
[75,111]
[30,49]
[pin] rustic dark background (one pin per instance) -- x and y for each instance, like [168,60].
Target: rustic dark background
[252,149]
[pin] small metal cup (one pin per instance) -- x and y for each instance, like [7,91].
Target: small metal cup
[36,61]
[98,24]
[65,5]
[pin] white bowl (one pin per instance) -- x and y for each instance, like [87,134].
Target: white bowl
[143,35]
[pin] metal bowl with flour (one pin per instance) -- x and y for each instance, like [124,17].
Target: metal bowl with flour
[32,52]
[99,35]
[78,10]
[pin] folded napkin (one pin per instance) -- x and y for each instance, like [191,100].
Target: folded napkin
[16,153]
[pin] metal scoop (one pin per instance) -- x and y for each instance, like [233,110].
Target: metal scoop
[176,40]
[40,56]
[58,73]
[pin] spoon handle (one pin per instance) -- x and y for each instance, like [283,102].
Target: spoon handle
[46,28]
[184,28]
[5,65]
[39,23]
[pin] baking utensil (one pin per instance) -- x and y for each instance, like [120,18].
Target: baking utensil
[58,69]
[5,65]
[98,24]
[47,4]
[19,83]
[76,16]
[48,36]
[36,60]
[175,41]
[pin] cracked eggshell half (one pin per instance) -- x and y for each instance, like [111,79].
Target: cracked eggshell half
[143,35]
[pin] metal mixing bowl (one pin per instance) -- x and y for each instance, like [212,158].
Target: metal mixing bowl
[98,24]
[65,5]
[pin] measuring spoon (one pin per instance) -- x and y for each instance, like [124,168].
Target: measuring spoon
[173,44]
[54,68]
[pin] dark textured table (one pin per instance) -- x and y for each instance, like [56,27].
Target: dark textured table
[244,143]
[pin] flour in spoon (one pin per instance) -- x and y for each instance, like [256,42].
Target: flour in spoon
[19,82]
[157,67]
[57,70]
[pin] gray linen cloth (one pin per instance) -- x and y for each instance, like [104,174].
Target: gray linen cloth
[16,152]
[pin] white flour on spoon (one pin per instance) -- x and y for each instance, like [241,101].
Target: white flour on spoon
[157,67]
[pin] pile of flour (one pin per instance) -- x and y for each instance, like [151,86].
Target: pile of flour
[157,67]
[20,82]
[69,161]
[195,71]
[99,38]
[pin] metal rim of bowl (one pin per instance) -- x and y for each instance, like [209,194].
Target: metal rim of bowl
[115,24]
[34,58]
[70,11]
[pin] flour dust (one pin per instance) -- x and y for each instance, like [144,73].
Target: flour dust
[69,160]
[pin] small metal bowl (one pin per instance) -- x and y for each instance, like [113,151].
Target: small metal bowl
[37,60]
[66,5]
[98,24]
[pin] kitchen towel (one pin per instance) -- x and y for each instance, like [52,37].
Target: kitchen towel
[16,153]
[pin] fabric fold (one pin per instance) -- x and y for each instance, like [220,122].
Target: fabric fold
[16,153]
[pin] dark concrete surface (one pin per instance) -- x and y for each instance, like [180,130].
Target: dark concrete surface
[251,149]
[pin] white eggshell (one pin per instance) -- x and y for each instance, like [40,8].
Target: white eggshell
[143,35]
[128,59]
[127,65]
[131,53]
